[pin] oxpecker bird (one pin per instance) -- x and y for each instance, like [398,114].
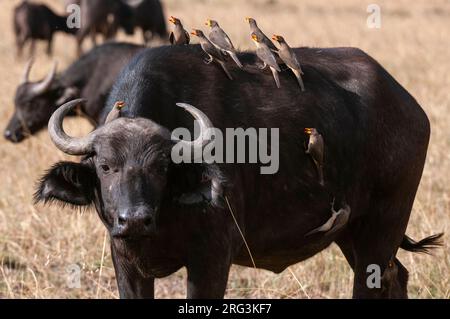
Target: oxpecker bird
[256,30]
[337,220]
[290,59]
[115,112]
[267,57]
[221,40]
[316,149]
[212,51]
[179,35]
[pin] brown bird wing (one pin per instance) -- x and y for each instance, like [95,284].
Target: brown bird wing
[221,39]
[188,37]
[210,49]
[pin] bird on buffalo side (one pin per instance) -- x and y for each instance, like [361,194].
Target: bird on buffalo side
[267,57]
[179,35]
[316,149]
[256,30]
[212,51]
[115,112]
[337,220]
[221,40]
[290,59]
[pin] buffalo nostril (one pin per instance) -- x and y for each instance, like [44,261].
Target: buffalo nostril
[8,134]
[121,220]
[147,221]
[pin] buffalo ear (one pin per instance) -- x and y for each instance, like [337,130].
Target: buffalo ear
[67,182]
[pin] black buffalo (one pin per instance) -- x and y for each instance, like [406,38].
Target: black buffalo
[162,216]
[91,76]
[146,15]
[37,22]
[100,16]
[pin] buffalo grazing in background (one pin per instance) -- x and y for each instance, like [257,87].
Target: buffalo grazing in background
[146,15]
[37,22]
[91,77]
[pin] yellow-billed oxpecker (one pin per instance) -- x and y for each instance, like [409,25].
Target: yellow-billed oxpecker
[315,150]
[267,57]
[212,51]
[179,35]
[115,112]
[290,59]
[221,40]
[256,30]
[337,220]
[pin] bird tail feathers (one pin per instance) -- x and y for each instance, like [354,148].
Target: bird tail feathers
[275,76]
[222,64]
[298,75]
[235,58]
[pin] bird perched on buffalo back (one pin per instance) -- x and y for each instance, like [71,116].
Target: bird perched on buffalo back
[221,40]
[316,150]
[213,52]
[115,112]
[179,35]
[267,57]
[256,30]
[290,58]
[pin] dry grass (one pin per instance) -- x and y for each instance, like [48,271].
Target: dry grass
[38,243]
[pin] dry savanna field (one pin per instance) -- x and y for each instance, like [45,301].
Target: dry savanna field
[40,244]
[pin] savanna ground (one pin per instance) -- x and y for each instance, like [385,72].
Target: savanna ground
[39,244]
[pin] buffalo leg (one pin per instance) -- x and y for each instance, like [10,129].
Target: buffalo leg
[375,243]
[147,35]
[93,35]
[32,47]
[20,42]
[50,46]
[131,284]
[82,33]
[208,276]
[345,244]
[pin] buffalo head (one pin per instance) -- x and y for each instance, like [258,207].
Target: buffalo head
[126,171]
[34,103]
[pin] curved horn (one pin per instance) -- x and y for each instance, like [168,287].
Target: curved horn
[43,86]
[205,128]
[67,144]
[26,71]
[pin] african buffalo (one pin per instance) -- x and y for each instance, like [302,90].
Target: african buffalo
[99,16]
[147,15]
[37,22]
[91,76]
[162,216]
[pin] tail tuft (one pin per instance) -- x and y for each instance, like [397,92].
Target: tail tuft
[422,246]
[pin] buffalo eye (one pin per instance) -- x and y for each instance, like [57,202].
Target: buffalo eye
[105,168]
[161,168]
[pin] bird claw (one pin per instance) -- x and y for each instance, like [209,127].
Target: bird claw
[261,66]
[207,61]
